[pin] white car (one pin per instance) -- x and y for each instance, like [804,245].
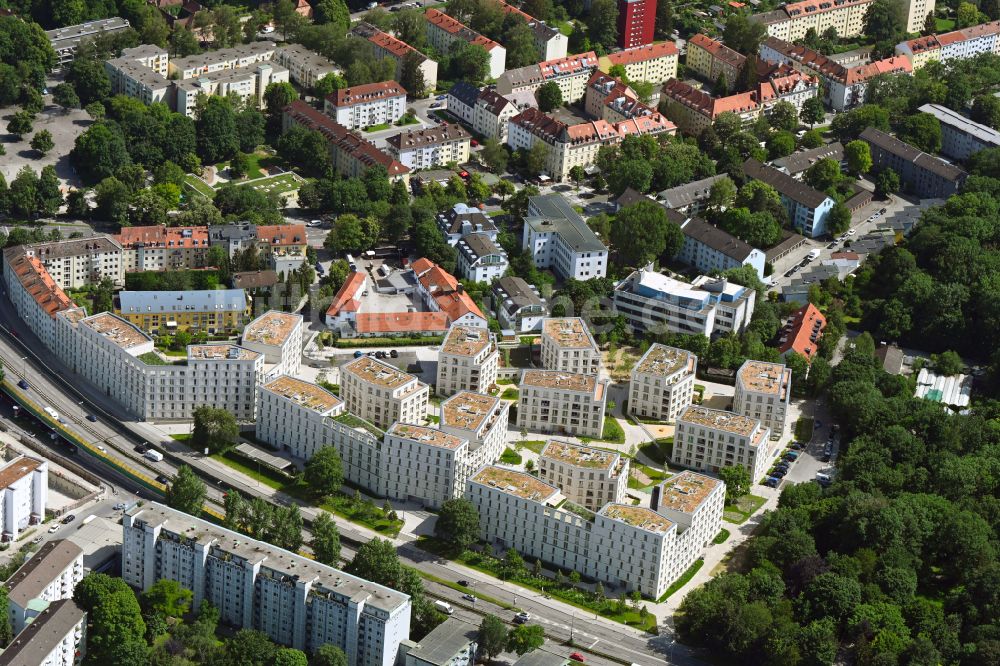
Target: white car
[851,232]
[54,529]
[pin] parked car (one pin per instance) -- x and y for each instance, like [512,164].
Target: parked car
[162,479]
[831,245]
[469,597]
[54,529]
[522,617]
[798,446]
[91,418]
[141,448]
[779,473]
[576,656]
[119,506]
[393,353]
[358,354]
[441,97]
[37,539]
[772,482]
[474,143]
[851,232]
[823,479]
[68,519]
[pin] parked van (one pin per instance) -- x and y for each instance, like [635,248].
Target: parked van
[823,479]
[444,607]
[154,455]
[813,255]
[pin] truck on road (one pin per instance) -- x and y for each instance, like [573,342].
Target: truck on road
[153,455]
[443,607]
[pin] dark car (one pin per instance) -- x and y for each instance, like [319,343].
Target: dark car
[779,473]
[783,466]
[162,479]
[798,446]
[826,457]
[91,418]
[463,583]
[393,353]
[141,448]
[831,245]
[772,482]
[23,384]
[68,519]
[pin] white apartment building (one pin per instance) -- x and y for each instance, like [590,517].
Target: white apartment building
[662,383]
[294,600]
[482,420]
[66,40]
[467,361]
[432,146]
[570,73]
[381,394]
[764,392]
[292,415]
[24,494]
[549,41]
[518,305]
[56,637]
[491,114]
[654,302]
[385,45]
[49,575]
[961,137]
[424,464]
[694,502]
[79,262]
[278,336]
[141,73]
[463,220]
[304,67]
[568,346]
[247,83]
[961,44]
[366,105]
[443,31]
[162,248]
[710,439]
[588,477]
[792,21]
[480,259]
[562,402]
[558,238]
[652,62]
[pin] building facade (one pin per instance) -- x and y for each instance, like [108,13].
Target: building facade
[430,147]
[924,175]
[558,238]
[443,31]
[655,63]
[710,439]
[385,45]
[49,575]
[764,392]
[278,336]
[561,402]
[304,67]
[518,305]
[961,137]
[370,104]
[712,59]
[807,207]
[55,637]
[382,394]
[211,311]
[570,73]
[568,346]
[467,361]
[480,259]
[586,476]
[24,494]
[291,415]
[662,383]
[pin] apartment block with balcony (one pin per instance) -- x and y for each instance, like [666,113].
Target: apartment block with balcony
[710,439]
[424,464]
[278,336]
[55,637]
[655,63]
[518,305]
[482,420]
[467,361]
[568,346]
[24,494]
[562,403]
[385,45]
[431,147]
[292,414]
[662,383]
[764,392]
[382,394]
[586,476]
[443,32]
[47,576]
[366,105]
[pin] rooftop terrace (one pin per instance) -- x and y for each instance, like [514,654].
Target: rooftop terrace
[466,340]
[664,361]
[425,435]
[468,410]
[566,381]
[763,377]
[221,353]
[720,420]
[271,328]
[579,456]
[377,372]
[637,516]
[686,491]
[569,332]
[304,394]
[117,330]
[514,483]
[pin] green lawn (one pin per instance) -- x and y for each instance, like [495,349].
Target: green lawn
[745,507]
[407,119]
[259,162]
[613,431]
[199,186]
[683,580]
[944,25]
[721,536]
[534,445]
[152,358]
[511,394]
[510,457]
[804,429]
[378,128]
[659,450]
[281,184]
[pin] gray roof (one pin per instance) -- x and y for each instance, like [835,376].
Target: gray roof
[223,300]
[767,18]
[517,291]
[451,221]
[712,236]
[299,54]
[785,184]
[448,639]
[43,634]
[464,92]
[36,574]
[254,279]
[73,247]
[891,357]
[222,55]
[802,160]
[523,76]
[552,213]
[228,232]
[429,136]
[71,35]
[477,245]
[684,195]
[540,658]
[956,120]
[909,153]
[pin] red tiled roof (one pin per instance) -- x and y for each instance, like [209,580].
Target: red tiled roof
[368,92]
[568,65]
[402,322]
[346,299]
[640,53]
[39,284]
[421,266]
[282,235]
[802,333]
[456,27]
[718,50]
[446,291]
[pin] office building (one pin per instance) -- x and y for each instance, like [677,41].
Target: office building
[385,45]
[562,402]
[305,67]
[432,146]
[558,238]
[662,383]
[807,208]
[921,174]
[518,306]
[382,394]
[294,600]
[653,302]
[366,105]
[570,73]
[710,439]
[444,31]
[764,392]
[636,20]
[451,643]
[587,476]
[480,259]
[210,311]
[802,332]
[55,637]
[568,346]
[711,59]
[467,361]
[278,336]
[482,420]
[291,415]
[65,41]
[960,137]
[655,63]
[24,493]
[47,576]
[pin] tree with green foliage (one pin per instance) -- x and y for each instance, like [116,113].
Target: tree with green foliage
[494,156]
[722,193]
[329,655]
[116,633]
[838,220]
[276,97]
[758,228]
[377,561]
[549,96]
[249,647]
[811,139]
[216,130]
[859,156]
[324,473]
[326,540]
[411,75]
[602,23]
[458,523]
[65,96]
[305,148]
[525,638]
[20,124]
[186,492]
[290,657]
[166,598]
[986,110]
[886,182]
[643,233]
[536,159]
[492,636]
[214,429]
[737,480]
[812,111]
[783,116]
[884,21]
[469,62]
[823,174]
[334,12]
[99,152]
[743,35]
[968,14]
[113,198]
[922,130]
[6,631]
[780,144]
[948,363]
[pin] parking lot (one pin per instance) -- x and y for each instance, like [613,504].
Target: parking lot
[64,126]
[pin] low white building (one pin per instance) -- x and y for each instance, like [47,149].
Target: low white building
[467,361]
[764,392]
[49,575]
[294,600]
[24,494]
[451,643]
[568,346]
[370,104]
[662,383]
[562,402]
[480,259]
[558,238]
[710,439]
[382,394]
[292,415]
[55,637]
[518,305]
[587,476]
[431,147]
[278,336]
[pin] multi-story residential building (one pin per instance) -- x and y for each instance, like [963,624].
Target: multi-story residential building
[655,63]
[141,73]
[694,502]
[441,292]
[959,44]
[603,87]
[492,113]
[764,392]
[801,333]
[385,45]
[798,163]
[79,262]
[463,220]
[662,383]
[518,305]
[712,59]
[50,575]
[351,155]
[653,302]
[570,73]
[467,361]
[690,198]
[961,137]
[304,66]
[246,83]
[283,246]
[807,207]
[562,402]
[37,298]
[568,346]
[451,643]
[65,41]
[55,637]
[444,31]
[294,600]
[480,259]
[211,311]
[382,394]
[236,57]
[710,439]
[586,476]
[291,415]
[163,248]
[636,20]
[549,41]
[922,174]
[278,336]
[431,146]
[461,99]
[366,105]
[24,493]
[794,20]
[558,238]
[424,464]
[482,420]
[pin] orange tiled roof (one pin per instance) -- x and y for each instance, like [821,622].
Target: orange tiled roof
[421,266]
[366,93]
[446,291]
[456,27]
[641,53]
[278,235]
[402,322]
[39,284]
[346,299]
[803,332]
